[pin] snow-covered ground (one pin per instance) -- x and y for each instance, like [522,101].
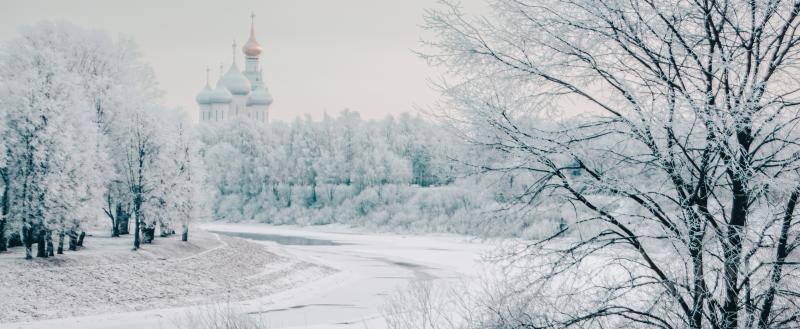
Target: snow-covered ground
[339,278]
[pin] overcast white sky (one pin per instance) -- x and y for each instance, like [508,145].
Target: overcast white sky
[318,55]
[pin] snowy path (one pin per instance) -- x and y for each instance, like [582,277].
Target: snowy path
[371,266]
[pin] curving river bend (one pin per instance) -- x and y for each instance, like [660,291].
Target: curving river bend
[369,267]
[372,266]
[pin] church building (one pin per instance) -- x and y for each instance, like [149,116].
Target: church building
[237,93]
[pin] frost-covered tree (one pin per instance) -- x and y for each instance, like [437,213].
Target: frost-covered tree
[679,160]
[50,143]
[141,144]
[182,188]
[74,185]
[83,131]
[4,202]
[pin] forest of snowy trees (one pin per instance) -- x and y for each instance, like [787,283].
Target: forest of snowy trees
[406,173]
[85,138]
[399,173]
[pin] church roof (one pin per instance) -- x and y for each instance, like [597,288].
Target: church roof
[251,47]
[204,96]
[236,82]
[259,96]
[221,95]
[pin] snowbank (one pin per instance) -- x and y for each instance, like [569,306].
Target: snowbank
[107,277]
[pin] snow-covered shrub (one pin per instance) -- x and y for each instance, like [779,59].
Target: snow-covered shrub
[219,316]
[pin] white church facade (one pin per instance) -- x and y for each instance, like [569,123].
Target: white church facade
[237,93]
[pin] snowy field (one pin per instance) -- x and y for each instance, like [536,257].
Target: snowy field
[288,277]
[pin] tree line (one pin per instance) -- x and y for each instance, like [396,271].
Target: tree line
[310,164]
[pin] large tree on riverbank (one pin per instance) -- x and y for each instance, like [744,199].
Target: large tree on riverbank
[681,163]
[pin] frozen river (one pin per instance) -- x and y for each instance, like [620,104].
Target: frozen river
[370,268]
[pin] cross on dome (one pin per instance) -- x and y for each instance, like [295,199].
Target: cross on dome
[233,51]
[251,48]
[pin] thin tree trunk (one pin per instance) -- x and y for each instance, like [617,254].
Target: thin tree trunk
[137,200]
[123,222]
[3,242]
[738,219]
[185,233]
[15,240]
[27,240]
[732,260]
[49,243]
[41,247]
[137,212]
[780,257]
[80,238]
[60,249]
[111,215]
[314,193]
[114,227]
[73,241]
[4,213]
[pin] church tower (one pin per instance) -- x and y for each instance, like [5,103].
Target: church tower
[238,93]
[259,101]
[252,52]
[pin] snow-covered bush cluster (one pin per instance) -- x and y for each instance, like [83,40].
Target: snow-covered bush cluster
[398,173]
[84,137]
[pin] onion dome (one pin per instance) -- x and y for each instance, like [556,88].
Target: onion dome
[204,96]
[259,96]
[236,82]
[221,95]
[251,48]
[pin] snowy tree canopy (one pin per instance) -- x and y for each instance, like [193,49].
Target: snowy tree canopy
[78,109]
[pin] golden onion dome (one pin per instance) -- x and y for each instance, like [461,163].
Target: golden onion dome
[251,47]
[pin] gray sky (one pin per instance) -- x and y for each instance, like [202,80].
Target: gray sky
[318,55]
